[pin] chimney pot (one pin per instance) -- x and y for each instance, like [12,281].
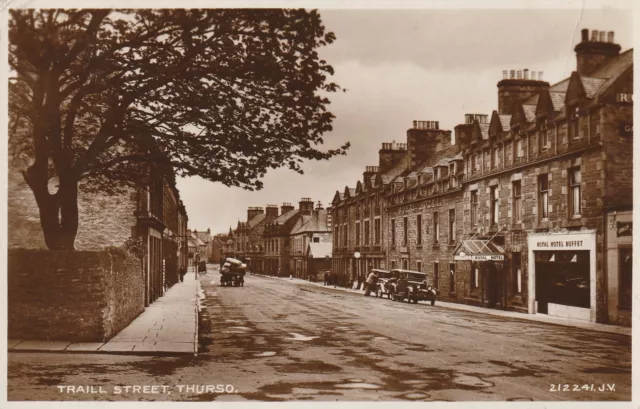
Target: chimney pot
[594,35]
[526,73]
[519,75]
[585,35]
[610,37]
[505,74]
[512,74]
[540,75]
[603,37]
[415,124]
[437,125]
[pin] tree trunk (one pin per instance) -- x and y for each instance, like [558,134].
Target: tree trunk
[58,211]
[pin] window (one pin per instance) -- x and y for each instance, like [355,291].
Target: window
[393,232]
[574,123]
[543,136]
[543,196]
[393,264]
[436,228]
[477,167]
[376,230]
[419,229]
[405,264]
[315,240]
[419,266]
[367,232]
[625,272]
[575,197]
[496,157]
[436,275]
[452,278]
[517,201]
[452,226]
[405,233]
[474,207]
[495,205]
[519,148]
[516,269]
[357,233]
[278,245]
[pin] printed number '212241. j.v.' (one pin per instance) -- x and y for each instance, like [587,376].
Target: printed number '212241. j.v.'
[587,387]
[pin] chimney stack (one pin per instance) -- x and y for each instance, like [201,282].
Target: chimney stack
[286,208]
[306,206]
[253,212]
[593,53]
[272,212]
[519,86]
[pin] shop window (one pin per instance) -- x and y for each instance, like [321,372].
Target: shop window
[393,232]
[543,196]
[474,208]
[452,226]
[517,201]
[436,228]
[624,283]
[419,229]
[495,205]
[419,266]
[575,192]
[405,233]
[516,269]
[452,278]
[436,275]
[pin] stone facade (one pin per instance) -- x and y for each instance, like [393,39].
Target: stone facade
[543,189]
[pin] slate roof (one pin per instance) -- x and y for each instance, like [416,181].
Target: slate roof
[592,85]
[529,112]
[256,220]
[286,216]
[316,222]
[395,171]
[557,99]
[505,121]
[484,130]
[320,250]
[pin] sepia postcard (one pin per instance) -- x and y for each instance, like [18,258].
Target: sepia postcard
[421,203]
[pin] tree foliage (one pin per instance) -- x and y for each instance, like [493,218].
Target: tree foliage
[100,97]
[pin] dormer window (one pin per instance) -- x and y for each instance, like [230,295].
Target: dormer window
[574,122]
[543,135]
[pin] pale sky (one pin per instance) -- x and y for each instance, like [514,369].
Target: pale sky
[405,65]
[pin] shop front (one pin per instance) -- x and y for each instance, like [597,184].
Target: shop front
[486,260]
[562,274]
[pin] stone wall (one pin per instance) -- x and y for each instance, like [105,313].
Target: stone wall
[103,220]
[72,296]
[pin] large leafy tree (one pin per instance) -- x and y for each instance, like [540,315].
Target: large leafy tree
[99,97]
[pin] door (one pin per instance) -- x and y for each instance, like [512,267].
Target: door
[493,285]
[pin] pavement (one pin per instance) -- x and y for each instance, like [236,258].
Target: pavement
[612,329]
[167,326]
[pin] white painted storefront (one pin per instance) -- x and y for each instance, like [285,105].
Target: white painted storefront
[559,243]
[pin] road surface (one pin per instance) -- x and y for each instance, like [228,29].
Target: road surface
[279,340]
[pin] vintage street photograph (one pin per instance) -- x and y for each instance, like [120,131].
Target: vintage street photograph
[319,204]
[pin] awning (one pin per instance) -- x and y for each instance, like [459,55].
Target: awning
[478,250]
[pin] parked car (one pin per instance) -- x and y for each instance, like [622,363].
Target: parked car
[412,286]
[384,278]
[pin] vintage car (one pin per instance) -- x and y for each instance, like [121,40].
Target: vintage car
[384,278]
[412,286]
[232,272]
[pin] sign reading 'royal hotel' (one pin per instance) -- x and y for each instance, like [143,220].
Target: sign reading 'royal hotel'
[515,210]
